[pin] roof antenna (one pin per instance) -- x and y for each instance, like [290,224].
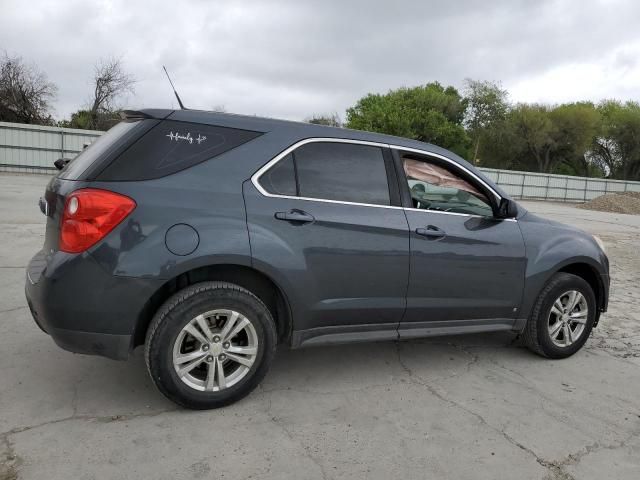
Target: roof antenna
[174,88]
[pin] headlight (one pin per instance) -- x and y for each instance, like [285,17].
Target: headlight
[600,243]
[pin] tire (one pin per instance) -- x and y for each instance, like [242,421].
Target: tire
[537,335]
[168,343]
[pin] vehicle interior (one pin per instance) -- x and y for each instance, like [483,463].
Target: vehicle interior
[433,186]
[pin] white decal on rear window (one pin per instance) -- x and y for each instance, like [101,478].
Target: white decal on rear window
[186,137]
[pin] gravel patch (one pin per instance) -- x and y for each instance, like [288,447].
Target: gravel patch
[627,202]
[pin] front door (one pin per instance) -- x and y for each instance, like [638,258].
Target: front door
[467,267]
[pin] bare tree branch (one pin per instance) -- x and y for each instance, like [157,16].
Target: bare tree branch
[25,92]
[110,83]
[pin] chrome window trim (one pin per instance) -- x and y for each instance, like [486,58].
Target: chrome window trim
[255,178]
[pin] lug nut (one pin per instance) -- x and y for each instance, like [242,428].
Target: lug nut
[222,356]
[209,358]
[205,347]
[226,345]
[216,339]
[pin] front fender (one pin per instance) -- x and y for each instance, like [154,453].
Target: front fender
[552,247]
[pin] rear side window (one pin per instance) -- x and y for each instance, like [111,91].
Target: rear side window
[171,147]
[333,171]
[99,148]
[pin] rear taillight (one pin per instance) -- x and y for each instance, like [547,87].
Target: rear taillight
[89,215]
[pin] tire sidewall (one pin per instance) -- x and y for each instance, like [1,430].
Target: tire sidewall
[162,343]
[562,285]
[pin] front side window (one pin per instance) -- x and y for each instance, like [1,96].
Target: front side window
[331,171]
[434,187]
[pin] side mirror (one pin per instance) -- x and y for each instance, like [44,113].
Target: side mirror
[507,208]
[61,163]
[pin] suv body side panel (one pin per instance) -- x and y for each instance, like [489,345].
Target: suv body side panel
[207,197]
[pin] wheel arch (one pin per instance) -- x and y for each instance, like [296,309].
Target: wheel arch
[258,283]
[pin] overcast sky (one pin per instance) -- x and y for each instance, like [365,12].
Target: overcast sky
[292,59]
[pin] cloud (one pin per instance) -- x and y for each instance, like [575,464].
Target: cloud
[614,75]
[292,59]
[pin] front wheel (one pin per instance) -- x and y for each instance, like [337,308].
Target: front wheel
[209,345]
[562,317]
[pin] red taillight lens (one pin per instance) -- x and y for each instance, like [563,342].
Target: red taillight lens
[89,214]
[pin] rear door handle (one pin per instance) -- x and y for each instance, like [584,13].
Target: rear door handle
[295,216]
[431,231]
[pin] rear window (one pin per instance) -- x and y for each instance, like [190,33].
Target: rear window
[173,146]
[98,149]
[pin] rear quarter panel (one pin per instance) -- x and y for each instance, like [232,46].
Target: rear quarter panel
[208,197]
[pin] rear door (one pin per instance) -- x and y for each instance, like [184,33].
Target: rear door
[467,267]
[325,223]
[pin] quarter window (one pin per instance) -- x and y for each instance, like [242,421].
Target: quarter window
[281,178]
[332,171]
[434,187]
[172,146]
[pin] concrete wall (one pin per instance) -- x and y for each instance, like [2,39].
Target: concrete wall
[564,188]
[32,148]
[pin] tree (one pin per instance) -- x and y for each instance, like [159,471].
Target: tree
[331,120]
[25,92]
[576,126]
[110,82]
[487,107]
[617,148]
[80,119]
[532,125]
[429,113]
[556,139]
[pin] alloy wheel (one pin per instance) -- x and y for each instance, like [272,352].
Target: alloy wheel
[568,318]
[215,350]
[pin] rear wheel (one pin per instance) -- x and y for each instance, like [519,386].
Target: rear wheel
[210,345]
[562,317]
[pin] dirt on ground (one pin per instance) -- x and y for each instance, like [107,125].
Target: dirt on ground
[623,202]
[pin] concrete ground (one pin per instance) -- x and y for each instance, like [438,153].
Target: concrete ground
[457,407]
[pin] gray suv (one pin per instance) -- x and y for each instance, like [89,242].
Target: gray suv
[210,238]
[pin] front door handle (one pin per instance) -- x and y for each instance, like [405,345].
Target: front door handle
[431,231]
[298,216]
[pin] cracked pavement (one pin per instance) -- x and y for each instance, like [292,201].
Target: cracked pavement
[461,407]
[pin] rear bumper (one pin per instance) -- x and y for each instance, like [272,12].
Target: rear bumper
[116,347]
[85,309]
